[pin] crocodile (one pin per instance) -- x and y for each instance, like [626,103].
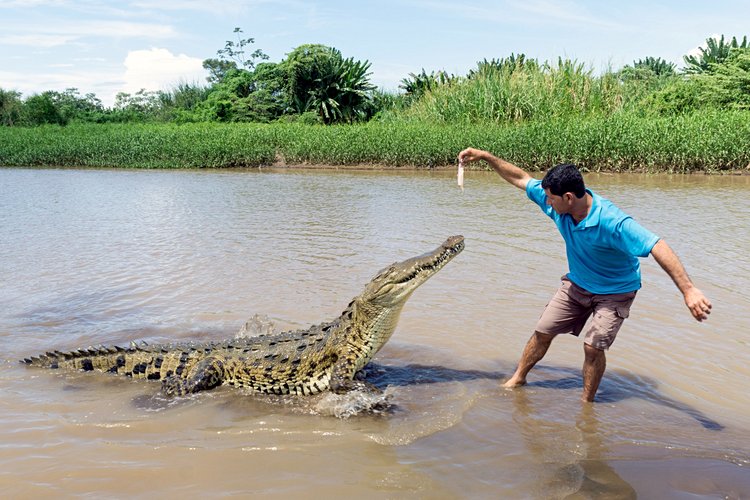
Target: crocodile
[302,362]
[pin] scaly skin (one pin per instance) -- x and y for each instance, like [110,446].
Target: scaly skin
[323,357]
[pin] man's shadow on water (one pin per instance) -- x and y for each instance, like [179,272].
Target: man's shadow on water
[616,386]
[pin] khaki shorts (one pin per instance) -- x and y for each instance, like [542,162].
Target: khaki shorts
[572,306]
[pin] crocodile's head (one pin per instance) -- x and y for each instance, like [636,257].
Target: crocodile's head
[376,310]
[394,284]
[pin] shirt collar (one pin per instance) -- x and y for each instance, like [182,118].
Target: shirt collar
[592,219]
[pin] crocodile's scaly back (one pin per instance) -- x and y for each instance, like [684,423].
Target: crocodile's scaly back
[324,356]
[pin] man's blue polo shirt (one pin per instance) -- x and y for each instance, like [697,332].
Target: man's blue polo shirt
[603,248]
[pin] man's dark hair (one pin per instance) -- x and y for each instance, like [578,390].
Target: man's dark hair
[564,178]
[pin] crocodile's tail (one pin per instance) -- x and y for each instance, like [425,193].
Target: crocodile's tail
[135,361]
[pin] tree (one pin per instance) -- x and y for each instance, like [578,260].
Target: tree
[11,107]
[344,93]
[217,69]
[319,79]
[247,96]
[303,66]
[313,79]
[722,85]
[244,89]
[657,65]
[144,105]
[40,109]
[715,52]
[727,84]
[651,71]
[233,56]
[74,106]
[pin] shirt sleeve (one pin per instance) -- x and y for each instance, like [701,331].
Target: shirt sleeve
[536,194]
[634,239]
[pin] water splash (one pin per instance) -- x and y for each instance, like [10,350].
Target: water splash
[354,403]
[259,324]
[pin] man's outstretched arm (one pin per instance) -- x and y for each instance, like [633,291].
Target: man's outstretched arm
[507,170]
[699,305]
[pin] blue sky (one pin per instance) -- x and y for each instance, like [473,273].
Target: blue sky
[109,47]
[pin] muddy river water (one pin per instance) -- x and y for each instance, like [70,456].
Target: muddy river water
[91,257]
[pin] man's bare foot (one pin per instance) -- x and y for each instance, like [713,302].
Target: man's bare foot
[514,382]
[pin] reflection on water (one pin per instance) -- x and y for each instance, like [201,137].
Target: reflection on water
[624,385]
[577,471]
[106,257]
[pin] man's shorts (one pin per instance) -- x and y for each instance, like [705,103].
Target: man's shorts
[572,306]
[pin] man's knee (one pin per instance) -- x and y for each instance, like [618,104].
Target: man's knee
[592,353]
[544,338]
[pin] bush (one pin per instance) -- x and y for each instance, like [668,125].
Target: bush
[40,109]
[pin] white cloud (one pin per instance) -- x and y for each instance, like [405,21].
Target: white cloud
[153,69]
[159,69]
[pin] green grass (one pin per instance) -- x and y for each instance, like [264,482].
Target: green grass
[137,145]
[705,141]
[515,93]
[520,95]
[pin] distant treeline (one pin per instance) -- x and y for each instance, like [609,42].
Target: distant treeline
[316,84]
[318,106]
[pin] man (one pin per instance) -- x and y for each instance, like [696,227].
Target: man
[602,245]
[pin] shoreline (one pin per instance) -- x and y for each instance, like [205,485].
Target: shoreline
[448,168]
[373,167]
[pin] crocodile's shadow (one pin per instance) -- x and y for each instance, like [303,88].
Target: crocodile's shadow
[615,387]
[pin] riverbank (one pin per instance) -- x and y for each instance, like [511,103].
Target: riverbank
[709,142]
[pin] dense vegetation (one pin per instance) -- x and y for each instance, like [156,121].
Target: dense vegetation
[317,106]
[706,141]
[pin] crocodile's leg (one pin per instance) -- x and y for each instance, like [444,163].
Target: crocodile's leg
[205,375]
[342,379]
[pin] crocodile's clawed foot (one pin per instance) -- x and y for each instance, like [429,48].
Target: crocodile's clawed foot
[173,386]
[347,385]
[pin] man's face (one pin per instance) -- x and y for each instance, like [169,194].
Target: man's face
[560,204]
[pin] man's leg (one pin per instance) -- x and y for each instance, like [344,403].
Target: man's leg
[610,312]
[594,365]
[534,351]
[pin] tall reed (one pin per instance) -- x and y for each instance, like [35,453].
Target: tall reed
[519,92]
[704,141]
